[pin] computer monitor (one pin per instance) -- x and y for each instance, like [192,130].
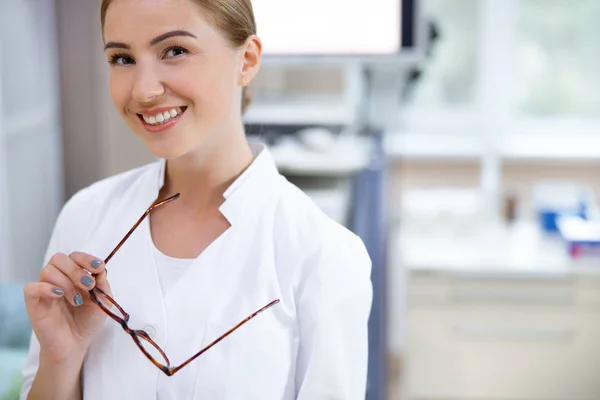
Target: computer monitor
[338,29]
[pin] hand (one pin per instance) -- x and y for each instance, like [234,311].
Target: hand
[63,316]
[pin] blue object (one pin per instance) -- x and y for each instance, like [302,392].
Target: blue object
[368,221]
[548,220]
[548,217]
[555,199]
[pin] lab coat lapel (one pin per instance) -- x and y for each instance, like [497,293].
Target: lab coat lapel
[212,276]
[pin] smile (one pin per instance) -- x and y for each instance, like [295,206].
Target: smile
[162,118]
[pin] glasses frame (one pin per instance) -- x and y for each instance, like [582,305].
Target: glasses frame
[138,335]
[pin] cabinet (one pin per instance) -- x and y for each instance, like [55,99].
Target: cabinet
[510,339]
[505,316]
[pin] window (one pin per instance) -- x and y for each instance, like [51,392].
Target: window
[449,75]
[559,57]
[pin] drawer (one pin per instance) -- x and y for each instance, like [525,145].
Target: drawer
[470,292]
[497,353]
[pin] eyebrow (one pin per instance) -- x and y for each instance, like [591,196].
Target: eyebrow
[153,42]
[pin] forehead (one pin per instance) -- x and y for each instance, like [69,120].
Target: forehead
[130,20]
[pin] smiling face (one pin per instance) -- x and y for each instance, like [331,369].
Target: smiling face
[174,77]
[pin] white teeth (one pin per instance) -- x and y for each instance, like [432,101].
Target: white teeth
[163,117]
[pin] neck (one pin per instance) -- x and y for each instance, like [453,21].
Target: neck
[203,176]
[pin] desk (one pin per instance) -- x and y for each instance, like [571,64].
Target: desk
[499,313]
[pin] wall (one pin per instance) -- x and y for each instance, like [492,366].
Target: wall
[96,141]
[32,174]
[4,223]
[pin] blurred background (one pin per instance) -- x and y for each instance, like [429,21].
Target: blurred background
[459,138]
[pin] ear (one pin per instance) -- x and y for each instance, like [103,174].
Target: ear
[251,53]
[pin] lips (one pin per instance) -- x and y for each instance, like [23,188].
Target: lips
[160,119]
[161,115]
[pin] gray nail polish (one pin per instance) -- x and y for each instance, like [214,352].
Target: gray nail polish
[96,263]
[57,291]
[78,300]
[87,281]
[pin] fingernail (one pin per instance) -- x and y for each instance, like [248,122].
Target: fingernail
[57,291]
[96,263]
[87,281]
[78,300]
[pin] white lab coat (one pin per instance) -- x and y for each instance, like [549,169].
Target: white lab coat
[310,346]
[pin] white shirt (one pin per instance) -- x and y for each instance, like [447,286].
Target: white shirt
[312,345]
[170,269]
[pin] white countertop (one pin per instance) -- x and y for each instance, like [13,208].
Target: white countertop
[520,250]
[537,146]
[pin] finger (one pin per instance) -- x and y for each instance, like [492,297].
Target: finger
[52,275]
[93,264]
[102,282]
[80,277]
[34,291]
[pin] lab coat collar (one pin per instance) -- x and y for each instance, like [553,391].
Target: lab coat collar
[248,192]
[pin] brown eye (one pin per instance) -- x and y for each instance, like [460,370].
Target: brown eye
[175,51]
[121,59]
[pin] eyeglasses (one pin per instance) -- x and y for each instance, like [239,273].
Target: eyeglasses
[141,336]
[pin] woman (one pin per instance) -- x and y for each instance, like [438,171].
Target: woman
[238,237]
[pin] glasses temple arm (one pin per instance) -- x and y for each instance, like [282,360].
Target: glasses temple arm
[223,336]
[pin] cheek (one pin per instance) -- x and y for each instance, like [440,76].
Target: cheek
[119,91]
[210,89]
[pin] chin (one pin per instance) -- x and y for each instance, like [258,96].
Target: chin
[172,144]
[171,150]
[167,152]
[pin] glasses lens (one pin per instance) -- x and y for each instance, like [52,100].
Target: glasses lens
[150,348]
[109,305]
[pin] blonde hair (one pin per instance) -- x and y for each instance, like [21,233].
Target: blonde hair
[233,18]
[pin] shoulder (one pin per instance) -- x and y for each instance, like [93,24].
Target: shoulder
[323,247]
[87,206]
[300,220]
[113,187]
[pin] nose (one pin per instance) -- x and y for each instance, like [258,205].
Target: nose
[147,84]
